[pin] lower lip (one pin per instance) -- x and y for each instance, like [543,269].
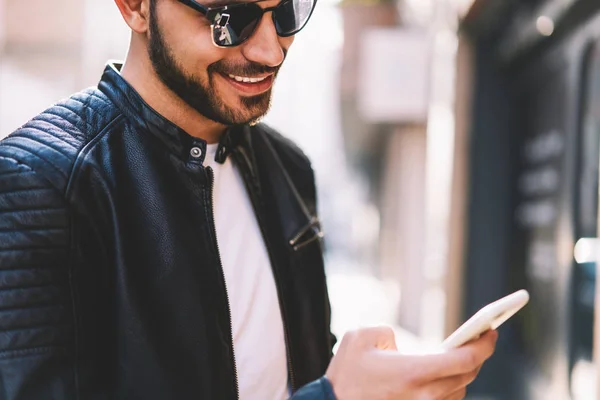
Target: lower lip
[251,89]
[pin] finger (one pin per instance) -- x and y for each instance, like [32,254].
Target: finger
[382,338]
[462,392]
[474,354]
[458,361]
[490,334]
[449,388]
[458,395]
[489,331]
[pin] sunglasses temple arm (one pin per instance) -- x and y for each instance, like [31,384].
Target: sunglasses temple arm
[196,6]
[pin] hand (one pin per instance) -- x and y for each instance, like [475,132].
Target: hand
[368,366]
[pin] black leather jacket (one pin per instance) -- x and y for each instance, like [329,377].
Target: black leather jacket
[110,279]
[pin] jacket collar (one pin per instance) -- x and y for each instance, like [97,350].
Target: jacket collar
[175,139]
[298,225]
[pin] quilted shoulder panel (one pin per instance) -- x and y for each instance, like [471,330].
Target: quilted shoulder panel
[36,162]
[35,305]
[51,142]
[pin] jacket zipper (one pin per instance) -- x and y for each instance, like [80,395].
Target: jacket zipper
[211,178]
[318,234]
[279,291]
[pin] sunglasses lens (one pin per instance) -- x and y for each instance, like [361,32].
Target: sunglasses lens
[291,16]
[234,25]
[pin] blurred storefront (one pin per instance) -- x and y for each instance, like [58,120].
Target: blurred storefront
[531,129]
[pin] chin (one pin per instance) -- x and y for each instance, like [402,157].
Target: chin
[244,116]
[257,120]
[250,120]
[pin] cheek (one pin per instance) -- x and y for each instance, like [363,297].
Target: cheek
[286,42]
[197,54]
[190,43]
[194,51]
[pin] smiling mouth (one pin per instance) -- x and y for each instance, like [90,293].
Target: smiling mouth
[249,85]
[247,79]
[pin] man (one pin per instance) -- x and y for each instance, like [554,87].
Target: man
[157,243]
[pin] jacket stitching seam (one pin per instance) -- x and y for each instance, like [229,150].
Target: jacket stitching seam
[28,287]
[40,120]
[29,248]
[32,308]
[33,229]
[26,130]
[73,175]
[58,169]
[93,94]
[84,103]
[74,302]
[31,189]
[64,107]
[85,150]
[32,210]
[13,174]
[35,327]
[32,351]
[19,164]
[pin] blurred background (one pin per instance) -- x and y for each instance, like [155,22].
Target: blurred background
[456,145]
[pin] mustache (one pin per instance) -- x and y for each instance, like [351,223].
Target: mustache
[245,69]
[249,68]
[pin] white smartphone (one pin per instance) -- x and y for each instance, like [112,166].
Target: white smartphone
[489,317]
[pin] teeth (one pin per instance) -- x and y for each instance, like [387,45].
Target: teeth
[246,79]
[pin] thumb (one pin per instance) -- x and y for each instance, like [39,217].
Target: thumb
[382,338]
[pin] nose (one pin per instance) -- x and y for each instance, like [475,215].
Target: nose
[264,46]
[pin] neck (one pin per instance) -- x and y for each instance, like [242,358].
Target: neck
[139,73]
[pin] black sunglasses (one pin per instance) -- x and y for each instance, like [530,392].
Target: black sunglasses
[232,25]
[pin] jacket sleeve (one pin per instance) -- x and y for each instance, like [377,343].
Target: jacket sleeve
[320,389]
[36,302]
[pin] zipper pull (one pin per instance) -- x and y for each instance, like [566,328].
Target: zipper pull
[307,235]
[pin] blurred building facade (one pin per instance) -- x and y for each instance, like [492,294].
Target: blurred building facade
[532,141]
[397,109]
[507,198]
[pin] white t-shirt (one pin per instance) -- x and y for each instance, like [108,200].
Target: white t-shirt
[257,327]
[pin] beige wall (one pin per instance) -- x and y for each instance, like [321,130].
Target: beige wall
[2,24]
[42,25]
[403,220]
[39,62]
[460,183]
[52,49]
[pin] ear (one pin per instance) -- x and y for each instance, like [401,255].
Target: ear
[136,14]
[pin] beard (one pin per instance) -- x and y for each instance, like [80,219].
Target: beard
[202,96]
